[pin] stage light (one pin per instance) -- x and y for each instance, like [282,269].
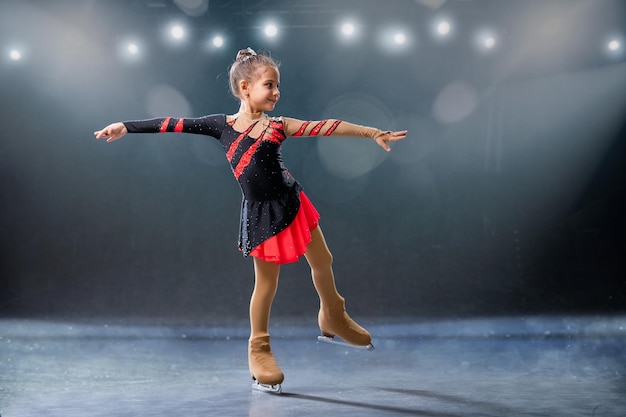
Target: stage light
[486,41]
[15,55]
[614,45]
[443,28]
[489,42]
[347,29]
[399,38]
[395,39]
[270,30]
[218,41]
[132,48]
[177,32]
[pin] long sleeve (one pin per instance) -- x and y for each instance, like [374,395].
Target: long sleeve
[329,127]
[207,125]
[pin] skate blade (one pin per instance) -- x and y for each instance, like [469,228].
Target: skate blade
[272,389]
[332,340]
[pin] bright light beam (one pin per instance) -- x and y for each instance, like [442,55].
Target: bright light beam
[614,45]
[489,42]
[347,29]
[131,50]
[486,40]
[399,38]
[218,41]
[15,55]
[395,40]
[271,30]
[177,32]
[444,28]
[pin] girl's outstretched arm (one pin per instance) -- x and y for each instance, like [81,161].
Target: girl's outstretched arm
[210,125]
[334,127]
[112,132]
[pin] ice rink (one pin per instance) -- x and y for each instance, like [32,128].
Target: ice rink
[522,366]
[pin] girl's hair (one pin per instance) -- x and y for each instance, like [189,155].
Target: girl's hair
[246,67]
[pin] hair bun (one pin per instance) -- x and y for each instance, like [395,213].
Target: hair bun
[245,54]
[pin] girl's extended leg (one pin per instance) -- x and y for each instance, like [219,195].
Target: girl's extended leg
[263,366]
[333,319]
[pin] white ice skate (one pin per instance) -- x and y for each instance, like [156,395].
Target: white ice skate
[272,389]
[332,340]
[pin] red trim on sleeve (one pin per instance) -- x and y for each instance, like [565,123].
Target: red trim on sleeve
[164,124]
[317,128]
[275,134]
[332,128]
[302,129]
[179,126]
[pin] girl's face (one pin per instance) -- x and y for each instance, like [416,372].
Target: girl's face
[262,94]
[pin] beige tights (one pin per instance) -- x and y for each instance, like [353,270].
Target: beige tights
[265,286]
[266,283]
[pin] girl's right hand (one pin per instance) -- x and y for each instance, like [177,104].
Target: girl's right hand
[112,132]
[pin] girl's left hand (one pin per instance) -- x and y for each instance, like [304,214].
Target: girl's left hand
[386,137]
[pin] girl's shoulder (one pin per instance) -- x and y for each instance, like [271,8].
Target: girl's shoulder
[222,117]
[277,120]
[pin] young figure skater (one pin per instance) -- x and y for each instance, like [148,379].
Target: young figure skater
[278,222]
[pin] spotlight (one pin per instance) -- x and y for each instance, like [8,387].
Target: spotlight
[347,29]
[614,45]
[486,41]
[271,30]
[443,28]
[177,32]
[15,55]
[399,38]
[395,40]
[218,41]
[132,48]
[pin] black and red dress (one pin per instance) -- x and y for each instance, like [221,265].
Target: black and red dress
[276,215]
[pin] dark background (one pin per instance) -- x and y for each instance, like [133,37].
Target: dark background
[508,197]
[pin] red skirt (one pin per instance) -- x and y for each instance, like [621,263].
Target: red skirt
[288,245]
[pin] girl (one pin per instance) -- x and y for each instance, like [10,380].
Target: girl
[278,222]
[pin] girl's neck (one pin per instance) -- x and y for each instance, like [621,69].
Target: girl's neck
[246,112]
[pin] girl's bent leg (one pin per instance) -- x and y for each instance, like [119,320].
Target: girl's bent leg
[321,262]
[263,366]
[333,319]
